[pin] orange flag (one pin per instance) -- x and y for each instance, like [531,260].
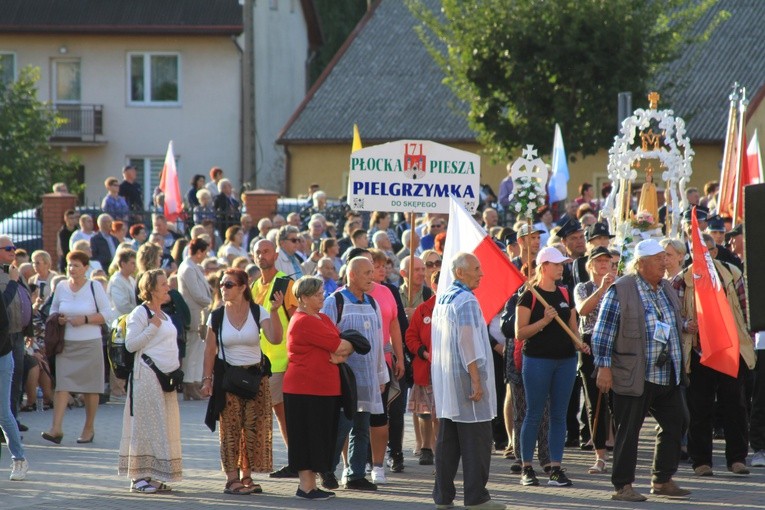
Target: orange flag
[717,329]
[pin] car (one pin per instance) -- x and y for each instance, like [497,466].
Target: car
[25,227]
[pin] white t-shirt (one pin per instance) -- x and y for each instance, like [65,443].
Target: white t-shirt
[242,346]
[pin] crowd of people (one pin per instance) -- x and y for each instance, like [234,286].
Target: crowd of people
[328,320]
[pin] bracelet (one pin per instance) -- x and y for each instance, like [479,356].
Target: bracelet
[207,378]
[86,319]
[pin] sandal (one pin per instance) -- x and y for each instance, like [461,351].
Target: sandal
[256,488]
[598,468]
[160,486]
[241,490]
[142,486]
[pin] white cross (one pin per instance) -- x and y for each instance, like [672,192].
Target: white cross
[529,152]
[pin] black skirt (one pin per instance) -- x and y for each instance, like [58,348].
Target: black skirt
[312,423]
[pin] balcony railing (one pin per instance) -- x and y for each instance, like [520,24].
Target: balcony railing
[82,123]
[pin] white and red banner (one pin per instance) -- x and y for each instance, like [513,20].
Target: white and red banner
[169,185]
[500,277]
[718,335]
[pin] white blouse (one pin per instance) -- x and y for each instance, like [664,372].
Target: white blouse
[158,343]
[81,303]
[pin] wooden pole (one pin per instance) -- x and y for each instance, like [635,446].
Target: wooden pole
[729,140]
[594,427]
[739,156]
[411,256]
[574,338]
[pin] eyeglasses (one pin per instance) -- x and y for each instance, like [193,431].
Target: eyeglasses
[8,248]
[293,239]
[437,225]
[431,265]
[228,285]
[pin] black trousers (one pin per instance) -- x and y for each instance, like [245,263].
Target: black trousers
[472,442]
[396,410]
[573,415]
[757,422]
[705,383]
[666,405]
[591,392]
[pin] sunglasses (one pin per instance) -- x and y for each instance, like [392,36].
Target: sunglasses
[293,240]
[8,248]
[437,225]
[228,285]
[431,265]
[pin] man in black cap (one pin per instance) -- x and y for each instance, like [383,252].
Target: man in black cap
[735,240]
[596,235]
[716,229]
[572,236]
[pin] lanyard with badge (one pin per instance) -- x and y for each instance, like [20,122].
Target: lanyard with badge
[661,333]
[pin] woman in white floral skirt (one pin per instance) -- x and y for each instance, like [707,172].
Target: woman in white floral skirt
[150,449]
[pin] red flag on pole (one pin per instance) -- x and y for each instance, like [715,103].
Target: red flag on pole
[717,329]
[169,185]
[501,279]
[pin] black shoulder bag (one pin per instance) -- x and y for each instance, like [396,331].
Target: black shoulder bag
[242,381]
[169,382]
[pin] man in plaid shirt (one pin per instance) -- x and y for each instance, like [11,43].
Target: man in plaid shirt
[636,348]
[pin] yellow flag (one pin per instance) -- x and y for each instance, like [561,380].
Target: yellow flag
[356,139]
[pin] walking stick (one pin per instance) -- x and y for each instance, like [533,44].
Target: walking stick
[597,415]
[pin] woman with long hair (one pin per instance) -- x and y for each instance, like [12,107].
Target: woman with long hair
[83,307]
[549,362]
[587,297]
[233,342]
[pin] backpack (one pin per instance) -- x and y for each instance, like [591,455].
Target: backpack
[340,300]
[120,359]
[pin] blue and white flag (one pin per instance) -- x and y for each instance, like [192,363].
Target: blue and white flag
[557,188]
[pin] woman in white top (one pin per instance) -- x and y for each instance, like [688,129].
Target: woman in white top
[248,419]
[82,306]
[150,448]
[121,287]
[232,248]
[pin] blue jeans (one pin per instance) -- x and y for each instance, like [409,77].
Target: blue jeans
[543,378]
[7,420]
[358,443]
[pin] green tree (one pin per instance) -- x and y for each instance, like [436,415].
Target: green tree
[338,18]
[28,163]
[523,65]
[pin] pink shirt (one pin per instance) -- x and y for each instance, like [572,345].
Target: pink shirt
[389,311]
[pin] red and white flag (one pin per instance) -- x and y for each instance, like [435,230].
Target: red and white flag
[718,334]
[500,277]
[168,183]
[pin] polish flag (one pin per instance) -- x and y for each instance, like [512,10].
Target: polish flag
[500,277]
[718,335]
[168,183]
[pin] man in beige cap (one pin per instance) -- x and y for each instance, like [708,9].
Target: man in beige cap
[637,351]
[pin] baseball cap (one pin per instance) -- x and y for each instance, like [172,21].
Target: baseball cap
[597,230]
[647,248]
[550,254]
[526,230]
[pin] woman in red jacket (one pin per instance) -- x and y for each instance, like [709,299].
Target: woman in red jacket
[421,400]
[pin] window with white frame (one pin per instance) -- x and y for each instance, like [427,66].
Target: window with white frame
[148,173]
[7,68]
[154,78]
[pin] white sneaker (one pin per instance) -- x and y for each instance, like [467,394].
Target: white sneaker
[344,478]
[19,470]
[368,468]
[758,459]
[378,475]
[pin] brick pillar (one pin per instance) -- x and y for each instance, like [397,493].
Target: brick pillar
[53,207]
[261,203]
